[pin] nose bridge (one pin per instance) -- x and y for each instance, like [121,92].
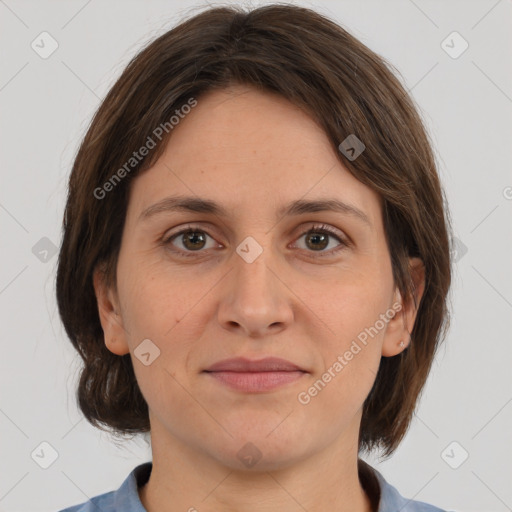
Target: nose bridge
[254,281]
[256,299]
[254,257]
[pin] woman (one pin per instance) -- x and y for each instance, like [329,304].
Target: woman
[190,284]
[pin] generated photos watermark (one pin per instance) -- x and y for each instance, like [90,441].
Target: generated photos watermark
[144,150]
[304,397]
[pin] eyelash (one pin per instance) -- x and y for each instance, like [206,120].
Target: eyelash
[321,228]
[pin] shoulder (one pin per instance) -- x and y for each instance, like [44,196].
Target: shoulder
[391,500]
[124,499]
[103,502]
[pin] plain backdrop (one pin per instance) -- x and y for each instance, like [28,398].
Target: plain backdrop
[458,452]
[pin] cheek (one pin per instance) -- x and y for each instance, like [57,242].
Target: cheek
[167,310]
[338,390]
[155,299]
[350,306]
[162,314]
[351,351]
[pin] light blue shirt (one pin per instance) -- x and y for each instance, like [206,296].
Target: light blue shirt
[126,498]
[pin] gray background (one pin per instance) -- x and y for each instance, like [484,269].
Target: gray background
[46,105]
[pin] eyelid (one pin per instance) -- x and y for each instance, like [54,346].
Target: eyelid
[184,229]
[167,239]
[343,239]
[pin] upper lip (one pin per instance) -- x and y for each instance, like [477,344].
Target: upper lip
[242,364]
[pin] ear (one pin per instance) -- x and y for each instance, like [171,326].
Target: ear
[399,328]
[110,315]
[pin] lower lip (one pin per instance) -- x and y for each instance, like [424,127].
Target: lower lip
[256,381]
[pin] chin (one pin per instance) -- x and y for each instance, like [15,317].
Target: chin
[259,457]
[260,449]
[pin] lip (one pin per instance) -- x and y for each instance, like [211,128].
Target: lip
[250,376]
[242,364]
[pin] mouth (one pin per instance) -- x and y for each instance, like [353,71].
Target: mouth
[252,376]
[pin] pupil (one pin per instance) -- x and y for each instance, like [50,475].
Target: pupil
[312,237]
[193,237]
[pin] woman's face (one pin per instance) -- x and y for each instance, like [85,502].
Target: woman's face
[250,282]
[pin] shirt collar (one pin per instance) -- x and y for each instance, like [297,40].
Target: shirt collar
[382,495]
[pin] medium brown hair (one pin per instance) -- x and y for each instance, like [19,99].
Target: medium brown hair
[343,85]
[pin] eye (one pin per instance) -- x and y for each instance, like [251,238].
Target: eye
[191,239]
[318,237]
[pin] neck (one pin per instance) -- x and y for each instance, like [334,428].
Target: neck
[182,479]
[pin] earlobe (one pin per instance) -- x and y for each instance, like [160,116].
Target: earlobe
[117,347]
[110,317]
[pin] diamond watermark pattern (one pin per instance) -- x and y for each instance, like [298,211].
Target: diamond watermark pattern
[454,455]
[454,45]
[249,249]
[351,147]
[44,45]
[44,455]
[249,455]
[458,250]
[146,352]
[44,249]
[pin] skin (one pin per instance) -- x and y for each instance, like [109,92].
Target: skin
[252,152]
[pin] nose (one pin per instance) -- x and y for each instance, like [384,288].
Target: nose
[256,300]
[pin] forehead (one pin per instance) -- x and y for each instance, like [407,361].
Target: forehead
[250,151]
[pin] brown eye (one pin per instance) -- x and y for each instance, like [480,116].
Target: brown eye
[318,241]
[189,240]
[318,238]
[193,240]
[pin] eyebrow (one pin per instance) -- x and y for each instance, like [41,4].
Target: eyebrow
[298,207]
